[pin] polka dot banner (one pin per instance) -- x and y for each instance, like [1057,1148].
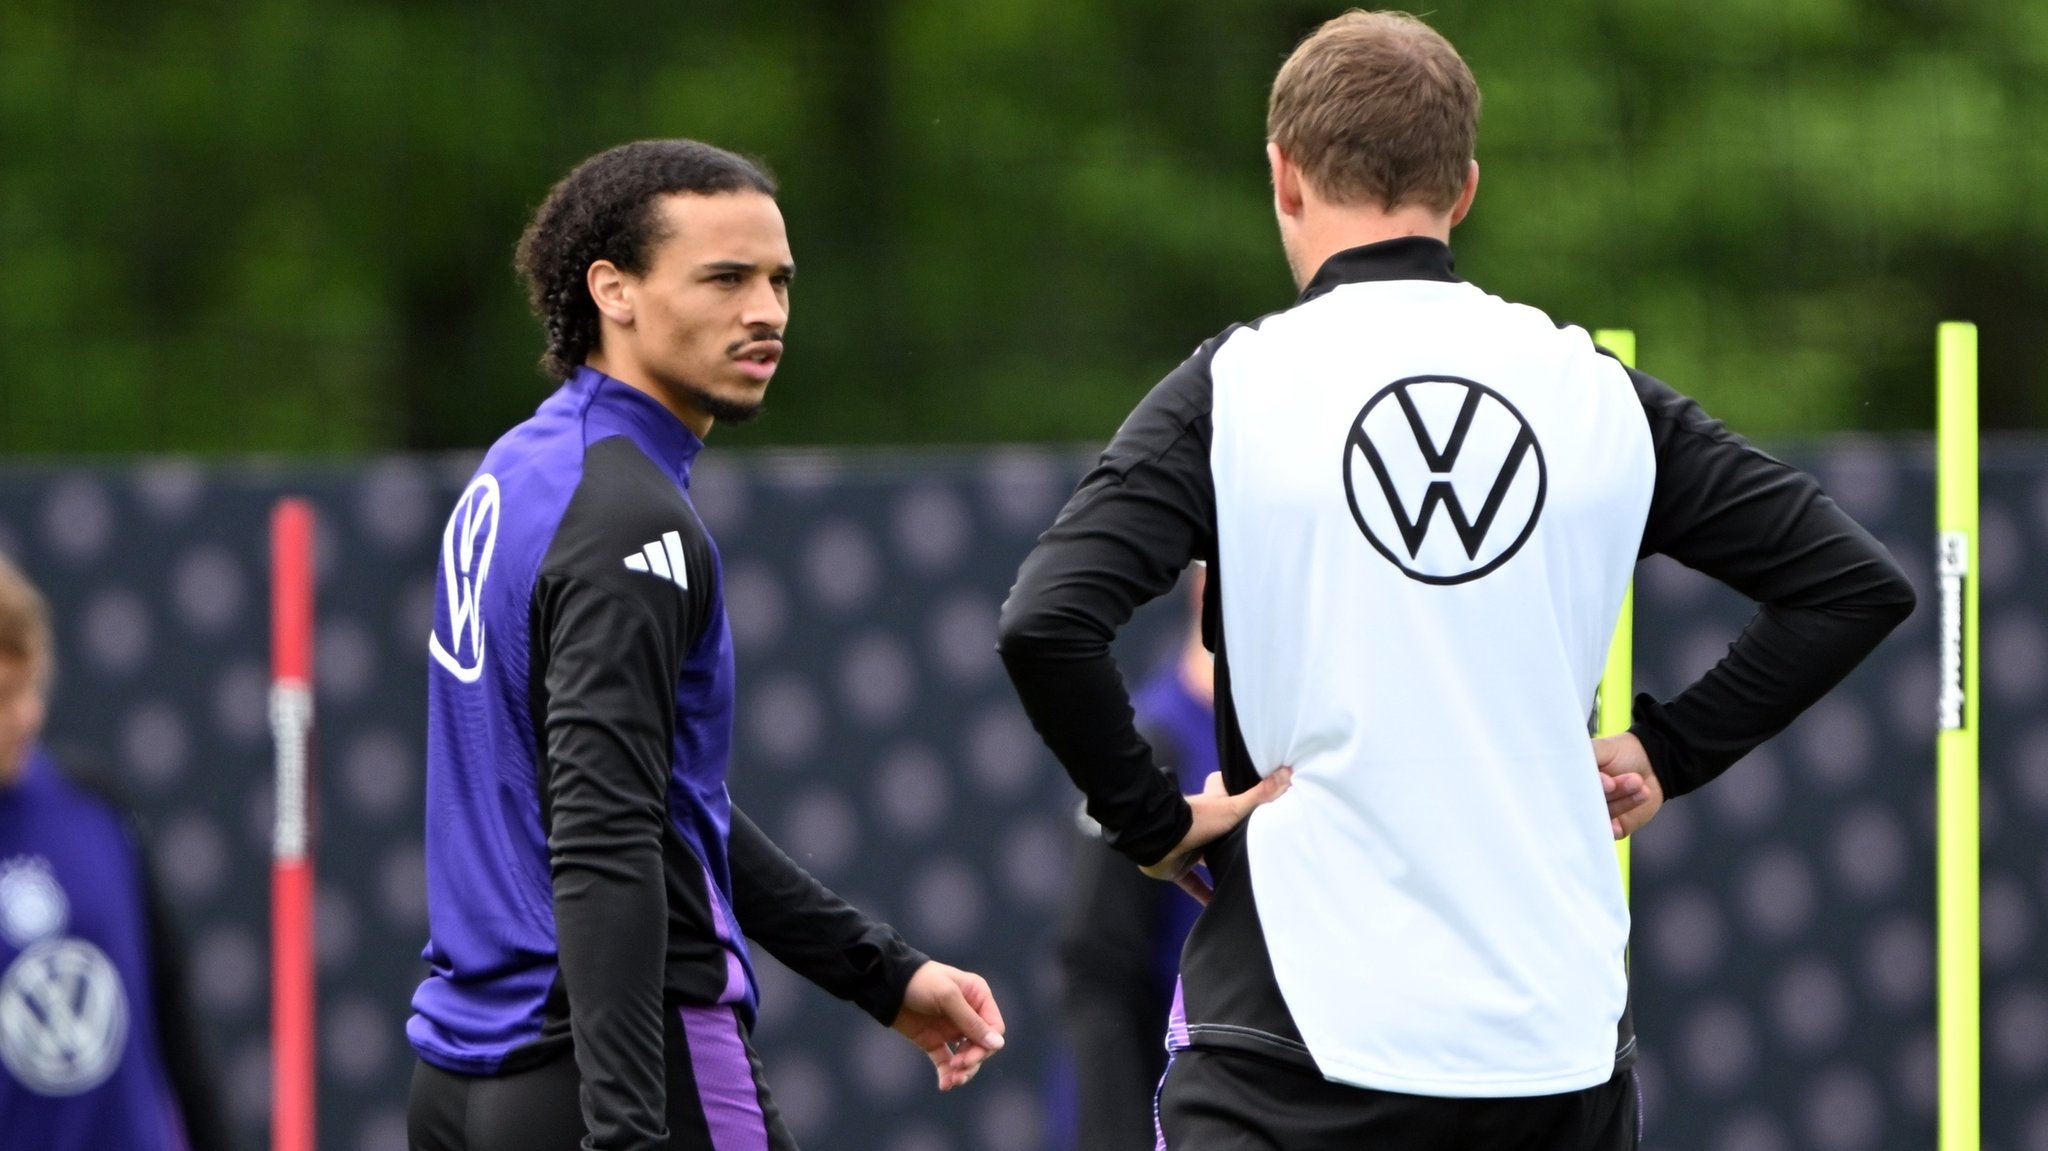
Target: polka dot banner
[1784,944]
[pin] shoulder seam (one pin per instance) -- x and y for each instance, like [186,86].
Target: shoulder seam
[1183,428]
[583,418]
[1687,429]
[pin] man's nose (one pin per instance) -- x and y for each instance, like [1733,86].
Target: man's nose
[765,307]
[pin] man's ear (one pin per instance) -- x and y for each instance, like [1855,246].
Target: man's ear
[612,291]
[1465,195]
[1287,196]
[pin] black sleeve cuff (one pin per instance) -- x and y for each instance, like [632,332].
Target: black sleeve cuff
[1675,773]
[893,962]
[809,929]
[1153,843]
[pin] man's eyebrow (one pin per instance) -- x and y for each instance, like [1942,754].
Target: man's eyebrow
[744,266]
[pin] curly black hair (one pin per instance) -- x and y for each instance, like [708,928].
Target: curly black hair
[606,210]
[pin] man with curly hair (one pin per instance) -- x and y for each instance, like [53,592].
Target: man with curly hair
[591,887]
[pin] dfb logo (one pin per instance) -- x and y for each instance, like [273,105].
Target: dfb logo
[32,904]
[1431,451]
[466,546]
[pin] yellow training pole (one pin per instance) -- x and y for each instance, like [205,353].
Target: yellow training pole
[1617,683]
[1956,829]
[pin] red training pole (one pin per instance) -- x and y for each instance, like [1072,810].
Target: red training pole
[291,875]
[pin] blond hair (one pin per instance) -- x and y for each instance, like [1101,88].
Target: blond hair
[24,621]
[1377,107]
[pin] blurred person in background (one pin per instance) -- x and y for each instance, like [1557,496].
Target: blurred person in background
[1120,939]
[1420,506]
[589,880]
[99,1046]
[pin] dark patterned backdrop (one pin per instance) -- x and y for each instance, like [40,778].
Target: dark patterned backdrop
[1784,936]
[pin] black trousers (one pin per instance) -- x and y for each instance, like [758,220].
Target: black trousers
[1225,1101]
[717,1099]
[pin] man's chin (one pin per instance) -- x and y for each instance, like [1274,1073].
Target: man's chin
[727,409]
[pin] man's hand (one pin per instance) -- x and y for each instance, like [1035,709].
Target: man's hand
[1216,812]
[952,1015]
[1633,794]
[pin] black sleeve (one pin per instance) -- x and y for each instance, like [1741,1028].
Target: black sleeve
[187,1061]
[609,642]
[812,931]
[610,681]
[1827,591]
[1146,510]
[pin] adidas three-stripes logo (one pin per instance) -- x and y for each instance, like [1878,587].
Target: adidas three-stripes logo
[663,557]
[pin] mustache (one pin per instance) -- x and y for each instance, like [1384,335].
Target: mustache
[754,337]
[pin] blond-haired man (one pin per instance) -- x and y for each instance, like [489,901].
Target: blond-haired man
[1420,505]
[98,1045]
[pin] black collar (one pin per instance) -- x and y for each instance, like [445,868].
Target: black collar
[1406,258]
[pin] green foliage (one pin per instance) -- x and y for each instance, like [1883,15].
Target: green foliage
[287,224]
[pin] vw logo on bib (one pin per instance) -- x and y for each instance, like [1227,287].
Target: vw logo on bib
[1444,476]
[63,1017]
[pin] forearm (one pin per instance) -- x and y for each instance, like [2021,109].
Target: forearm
[1823,609]
[1081,709]
[1828,592]
[812,931]
[1121,541]
[1146,510]
[1785,661]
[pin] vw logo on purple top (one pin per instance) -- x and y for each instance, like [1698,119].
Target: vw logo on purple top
[466,546]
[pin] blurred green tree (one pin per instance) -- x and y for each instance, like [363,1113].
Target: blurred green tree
[286,225]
